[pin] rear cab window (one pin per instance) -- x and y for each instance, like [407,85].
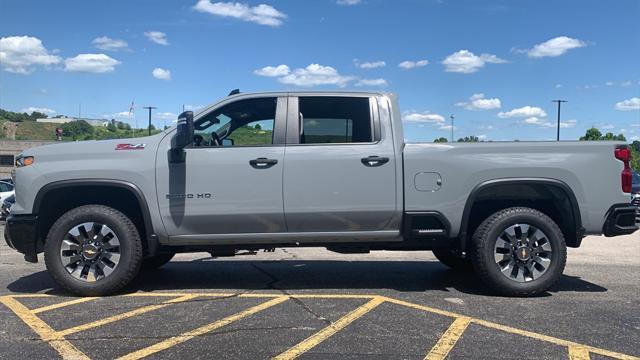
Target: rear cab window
[327,120]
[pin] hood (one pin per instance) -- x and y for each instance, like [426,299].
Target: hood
[94,149]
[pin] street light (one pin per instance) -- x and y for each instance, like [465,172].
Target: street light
[559,103]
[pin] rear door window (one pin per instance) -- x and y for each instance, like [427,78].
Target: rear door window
[327,120]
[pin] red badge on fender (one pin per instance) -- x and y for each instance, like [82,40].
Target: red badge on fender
[130,146]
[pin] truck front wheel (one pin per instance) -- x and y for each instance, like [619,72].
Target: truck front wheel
[518,251]
[93,250]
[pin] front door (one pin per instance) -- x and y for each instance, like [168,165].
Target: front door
[339,173]
[231,180]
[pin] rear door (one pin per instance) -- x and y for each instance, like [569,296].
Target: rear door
[339,173]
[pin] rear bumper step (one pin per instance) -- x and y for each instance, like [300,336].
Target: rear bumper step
[621,220]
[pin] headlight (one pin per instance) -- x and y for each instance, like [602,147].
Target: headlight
[25,161]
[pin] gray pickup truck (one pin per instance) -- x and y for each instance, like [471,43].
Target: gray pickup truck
[325,169]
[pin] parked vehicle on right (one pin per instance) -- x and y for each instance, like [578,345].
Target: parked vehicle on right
[635,183]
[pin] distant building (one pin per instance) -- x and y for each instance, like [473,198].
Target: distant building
[64,120]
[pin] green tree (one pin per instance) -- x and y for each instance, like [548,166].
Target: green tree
[112,127]
[635,156]
[258,127]
[441,140]
[469,139]
[594,134]
[78,130]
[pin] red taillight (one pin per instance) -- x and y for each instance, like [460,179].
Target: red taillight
[626,178]
[623,154]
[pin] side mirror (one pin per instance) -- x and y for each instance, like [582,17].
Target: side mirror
[228,142]
[182,138]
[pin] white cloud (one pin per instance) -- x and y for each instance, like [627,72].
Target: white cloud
[18,54]
[478,102]
[316,74]
[609,83]
[466,62]
[118,115]
[272,71]
[525,112]
[161,74]
[607,127]
[348,2]
[447,127]
[423,117]
[108,44]
[547,124]
[410,64]
[626,83]
[165,116]
[193,107]
[32,109]
[555,47]
[92,63]
[629,104]
[372,82]
[558,86]
[261,14]
[157,37]
[370,64]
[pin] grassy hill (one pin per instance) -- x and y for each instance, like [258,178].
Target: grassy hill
[31,130]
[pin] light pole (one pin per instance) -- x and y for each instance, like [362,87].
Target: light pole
[452,117]
[559,103]
[150,108]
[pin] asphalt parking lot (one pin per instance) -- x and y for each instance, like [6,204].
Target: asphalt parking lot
[311,303]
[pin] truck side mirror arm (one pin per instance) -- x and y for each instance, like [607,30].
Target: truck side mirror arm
[182,138]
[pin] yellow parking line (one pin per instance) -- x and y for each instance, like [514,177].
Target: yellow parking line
[423,308]
[173,341]
[63,304]
[449,339]
[256,295]
[46,333]
[578,353]
[177,294]
[328,331]
[125,315]
[553,340]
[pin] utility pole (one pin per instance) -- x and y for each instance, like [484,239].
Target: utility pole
[559,103]
[150,108]
[452,117]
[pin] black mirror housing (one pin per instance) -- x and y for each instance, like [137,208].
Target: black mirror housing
[183,137]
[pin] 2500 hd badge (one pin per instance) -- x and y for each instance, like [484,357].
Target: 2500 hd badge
[189,196]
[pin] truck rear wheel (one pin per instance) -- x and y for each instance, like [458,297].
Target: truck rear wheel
[518,251]
[454,259]
[93,250]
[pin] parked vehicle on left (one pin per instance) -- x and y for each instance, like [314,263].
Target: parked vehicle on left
[5,208]
[6,190]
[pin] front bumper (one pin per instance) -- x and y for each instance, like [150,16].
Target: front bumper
[20,233]
[621,220]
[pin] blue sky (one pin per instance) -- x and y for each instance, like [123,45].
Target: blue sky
[496,65]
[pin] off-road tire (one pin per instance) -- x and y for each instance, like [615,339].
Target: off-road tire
[130,250]
[484,241]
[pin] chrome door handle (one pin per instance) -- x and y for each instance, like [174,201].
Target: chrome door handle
[262,163]
[373,161]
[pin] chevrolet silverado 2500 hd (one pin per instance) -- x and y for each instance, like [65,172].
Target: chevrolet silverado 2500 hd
[325,169]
